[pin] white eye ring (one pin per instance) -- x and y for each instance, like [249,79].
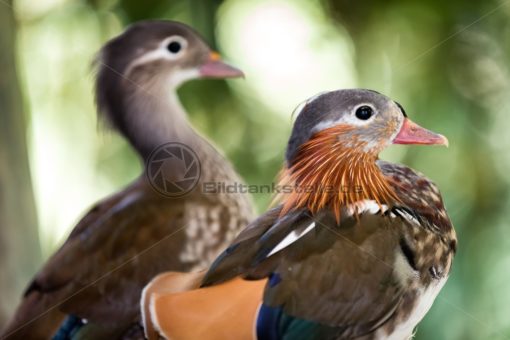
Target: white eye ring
[174,46]
[355,120]
[364,112]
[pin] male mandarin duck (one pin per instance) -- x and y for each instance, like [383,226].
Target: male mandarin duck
[125,240]
[358,248]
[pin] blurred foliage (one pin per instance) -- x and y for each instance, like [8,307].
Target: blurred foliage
[445,62]
[19,241]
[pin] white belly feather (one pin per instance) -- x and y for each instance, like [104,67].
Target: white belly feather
[404,330]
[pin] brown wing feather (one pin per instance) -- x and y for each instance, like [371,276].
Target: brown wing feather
[119,243]
[38,315]
[341,276]
[237,259]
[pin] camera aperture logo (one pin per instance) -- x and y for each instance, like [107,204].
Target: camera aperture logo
[173,169]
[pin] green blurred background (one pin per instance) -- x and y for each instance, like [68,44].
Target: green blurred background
[447,63]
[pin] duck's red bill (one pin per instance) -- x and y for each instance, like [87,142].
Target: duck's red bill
[412,133]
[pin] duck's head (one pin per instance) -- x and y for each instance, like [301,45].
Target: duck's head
[335,142]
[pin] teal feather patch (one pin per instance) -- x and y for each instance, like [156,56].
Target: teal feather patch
[274,324]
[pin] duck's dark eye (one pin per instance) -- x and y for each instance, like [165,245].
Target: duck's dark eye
[174,47]
[364,112]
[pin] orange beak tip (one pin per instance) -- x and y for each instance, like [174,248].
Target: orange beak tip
[446,142]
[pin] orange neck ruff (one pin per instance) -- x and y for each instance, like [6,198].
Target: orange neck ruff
[334,173]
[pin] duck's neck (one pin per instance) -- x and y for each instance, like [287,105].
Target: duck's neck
[151,119]
[329,172]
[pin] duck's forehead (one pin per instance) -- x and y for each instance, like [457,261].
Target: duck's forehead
[329,107]
[142,37]
[157,30]
[327,104]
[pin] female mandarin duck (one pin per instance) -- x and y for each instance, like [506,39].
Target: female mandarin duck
[96,278]
[358,249]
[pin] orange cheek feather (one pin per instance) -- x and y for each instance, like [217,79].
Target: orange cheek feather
[333,173]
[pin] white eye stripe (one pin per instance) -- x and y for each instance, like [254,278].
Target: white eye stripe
[347,118]
[160,53]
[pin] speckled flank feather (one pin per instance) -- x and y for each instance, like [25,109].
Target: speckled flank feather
[418,193]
